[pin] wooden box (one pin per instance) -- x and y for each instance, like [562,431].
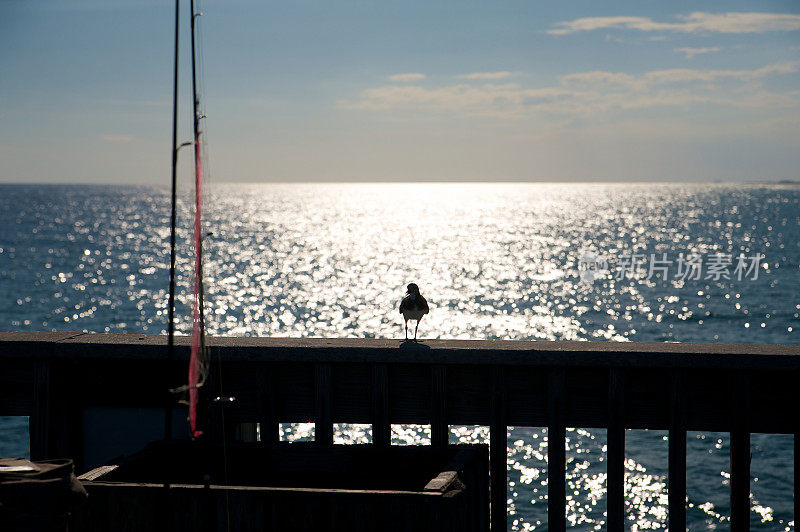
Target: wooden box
[195,486]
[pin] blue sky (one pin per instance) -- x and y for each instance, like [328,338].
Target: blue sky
[368,91]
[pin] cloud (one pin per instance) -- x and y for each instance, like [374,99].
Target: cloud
[691,52]
[679,75]
[116,138]
[488,75]
[411,76]
[586,94]
[599,78]
[698,22]
[482,99]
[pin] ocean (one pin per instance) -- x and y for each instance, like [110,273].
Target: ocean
[603,262]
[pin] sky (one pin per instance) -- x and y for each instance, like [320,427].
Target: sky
[306,90]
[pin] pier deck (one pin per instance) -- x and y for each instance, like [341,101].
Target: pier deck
[56,378]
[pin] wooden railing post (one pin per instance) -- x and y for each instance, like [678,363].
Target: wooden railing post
[740,453]
[381,428]
[440,431]
[677,453]
[615,463]
[556,454]
[796,489]
[323,391]
[498,453]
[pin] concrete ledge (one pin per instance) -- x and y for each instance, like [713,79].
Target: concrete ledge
[492,352]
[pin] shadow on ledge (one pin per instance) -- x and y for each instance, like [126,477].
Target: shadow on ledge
[409,345]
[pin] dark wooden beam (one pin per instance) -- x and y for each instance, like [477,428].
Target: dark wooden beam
[556,454]
[323,428]
[440,431]
[481,352]
[796,491]
[381,426]
[267,405]
[677,453]
[615,458]
[740,452]
[498,453]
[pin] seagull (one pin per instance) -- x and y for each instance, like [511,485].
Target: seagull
[413,307]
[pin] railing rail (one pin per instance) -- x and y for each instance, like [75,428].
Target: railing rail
[739,389]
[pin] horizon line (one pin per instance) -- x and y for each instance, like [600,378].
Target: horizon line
[213,182]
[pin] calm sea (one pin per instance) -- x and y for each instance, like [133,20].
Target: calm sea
[618,262]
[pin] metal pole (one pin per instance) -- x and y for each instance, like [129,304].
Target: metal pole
[173,220]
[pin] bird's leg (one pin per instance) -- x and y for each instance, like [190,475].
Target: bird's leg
[406,331]
[415,331]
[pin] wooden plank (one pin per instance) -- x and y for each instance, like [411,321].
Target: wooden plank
[498,454]
[69,409]
[556,454]
[40,419]
[442,481]
[352,393]
[220,426]
[585,397]
[708,393]
[440,431]
[467,390]
[381,427]
[323,429]
[98,472]
[526,396]
[246,432]
[267,405]
[295,392]
[16,388]
[615,481]
[410,394]
[646,398]
[740,453]
[677,453]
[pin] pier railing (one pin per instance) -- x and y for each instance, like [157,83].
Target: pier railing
[55,377]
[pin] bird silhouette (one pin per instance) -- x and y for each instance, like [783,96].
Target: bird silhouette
[413,307]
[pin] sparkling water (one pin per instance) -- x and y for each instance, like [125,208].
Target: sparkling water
[493,260]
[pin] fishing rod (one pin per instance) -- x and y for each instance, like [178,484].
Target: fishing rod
[173,221]
[197,359]
[196,373]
